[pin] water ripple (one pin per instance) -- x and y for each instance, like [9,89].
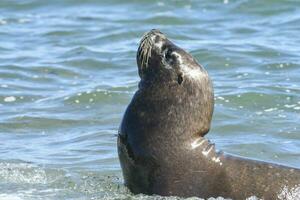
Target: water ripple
[68,71]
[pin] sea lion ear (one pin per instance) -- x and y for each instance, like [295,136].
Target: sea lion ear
[179,78]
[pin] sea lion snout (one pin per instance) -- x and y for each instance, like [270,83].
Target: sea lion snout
[156,36]
[159,58]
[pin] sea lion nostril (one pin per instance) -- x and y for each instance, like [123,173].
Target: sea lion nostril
[155,31]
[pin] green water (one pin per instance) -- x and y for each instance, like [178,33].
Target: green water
[68,71]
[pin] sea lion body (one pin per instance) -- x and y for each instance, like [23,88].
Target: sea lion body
[161,144]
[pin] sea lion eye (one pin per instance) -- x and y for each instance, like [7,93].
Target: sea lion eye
[168,55]
[179,78]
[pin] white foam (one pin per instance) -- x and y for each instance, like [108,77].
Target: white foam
[253,198]
[10,197]
[218,198]
[24,20]
[221,98]
[22,173]
[160,3]
[289,193]
[10,99]
[2,22]
[270,109]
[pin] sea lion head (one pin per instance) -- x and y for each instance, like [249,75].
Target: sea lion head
[178,80]
[159,58]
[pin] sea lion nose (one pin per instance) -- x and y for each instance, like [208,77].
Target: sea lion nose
[154,31]
[156,35]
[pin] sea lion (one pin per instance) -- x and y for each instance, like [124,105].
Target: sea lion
[161,144]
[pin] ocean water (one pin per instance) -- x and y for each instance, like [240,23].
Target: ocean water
[68,71]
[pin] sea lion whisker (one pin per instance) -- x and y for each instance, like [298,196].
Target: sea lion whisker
[144,51]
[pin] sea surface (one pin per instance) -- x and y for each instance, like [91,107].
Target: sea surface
[68,71]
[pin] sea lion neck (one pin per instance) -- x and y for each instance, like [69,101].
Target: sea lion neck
[172,105]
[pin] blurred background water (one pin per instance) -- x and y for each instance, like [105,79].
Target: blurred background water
[68,71]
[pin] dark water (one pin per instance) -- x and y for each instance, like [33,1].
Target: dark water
[68,71]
